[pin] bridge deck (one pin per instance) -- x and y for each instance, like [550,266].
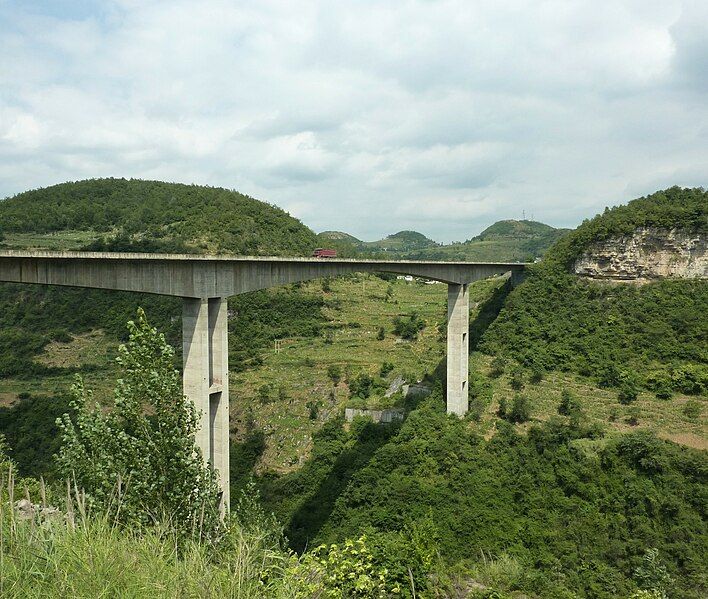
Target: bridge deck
[196,275]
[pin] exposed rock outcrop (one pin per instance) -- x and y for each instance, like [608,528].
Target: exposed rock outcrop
[647,254]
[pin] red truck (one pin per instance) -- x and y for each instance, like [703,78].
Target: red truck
[324,253]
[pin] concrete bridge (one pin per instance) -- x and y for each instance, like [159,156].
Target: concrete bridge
[204,283]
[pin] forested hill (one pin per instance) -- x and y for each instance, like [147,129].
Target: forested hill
[124,214]
[626,336]
[674,208]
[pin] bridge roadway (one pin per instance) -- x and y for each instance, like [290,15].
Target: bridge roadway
[204,283]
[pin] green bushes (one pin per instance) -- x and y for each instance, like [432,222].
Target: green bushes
[570,521]
[408,327]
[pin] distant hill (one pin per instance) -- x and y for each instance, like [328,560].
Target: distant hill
[504,241]
[339,236]
[514,229]
[121,214]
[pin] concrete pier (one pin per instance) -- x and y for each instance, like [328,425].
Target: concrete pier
[206,379]
[458,343]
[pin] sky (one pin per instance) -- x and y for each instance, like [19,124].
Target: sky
[366,117]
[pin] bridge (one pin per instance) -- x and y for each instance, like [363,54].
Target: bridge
[204,283]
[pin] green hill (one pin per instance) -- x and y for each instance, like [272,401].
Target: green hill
[653,336]
[156,216]
[514,228]
[133,215]
[339,236]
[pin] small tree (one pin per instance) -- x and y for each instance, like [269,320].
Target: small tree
[498,366]
[381,334]
[628,393]
[569,404]
[536,375]
[652,575]
[326,285]
[264,394]
[520,409]
[386,369]
[517,379]
[334,372]
[502,409]
[138,461]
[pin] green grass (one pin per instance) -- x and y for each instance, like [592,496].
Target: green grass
[59,240]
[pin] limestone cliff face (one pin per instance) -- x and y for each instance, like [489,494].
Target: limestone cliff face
[647,254]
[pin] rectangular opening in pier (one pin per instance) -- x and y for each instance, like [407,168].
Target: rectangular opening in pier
[214,401]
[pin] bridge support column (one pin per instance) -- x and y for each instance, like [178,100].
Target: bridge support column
[206,380]
[458,317]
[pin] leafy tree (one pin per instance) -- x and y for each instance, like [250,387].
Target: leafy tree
[361,386]
[498,366]
[386,369]
[628,391]
[520,409]
[381,334]
[408,328]
[334,372]
[517,379]
[141,467]
[569,404]
[652,575]
[536,375]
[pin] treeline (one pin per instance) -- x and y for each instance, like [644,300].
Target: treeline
[207,218]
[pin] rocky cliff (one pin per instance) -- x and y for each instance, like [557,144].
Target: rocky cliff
[647,254]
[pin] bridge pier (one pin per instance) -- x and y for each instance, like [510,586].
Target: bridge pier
[206,380]
[458,318]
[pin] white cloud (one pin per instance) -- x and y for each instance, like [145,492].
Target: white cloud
[364,116]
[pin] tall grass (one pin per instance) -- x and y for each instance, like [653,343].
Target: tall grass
[79,554]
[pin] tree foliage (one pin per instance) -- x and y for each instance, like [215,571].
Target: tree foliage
[138,461]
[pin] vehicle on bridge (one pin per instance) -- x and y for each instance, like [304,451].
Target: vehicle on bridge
[324,253]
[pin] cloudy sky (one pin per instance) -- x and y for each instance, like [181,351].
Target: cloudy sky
[369,117]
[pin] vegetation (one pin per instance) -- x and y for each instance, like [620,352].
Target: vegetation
[137,462]
[613,333]
[570,493]
[574,511]
[504,241]
[167,216]
[673,208]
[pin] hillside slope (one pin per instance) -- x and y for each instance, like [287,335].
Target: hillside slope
[134,215]
[503,241]
[654,336]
